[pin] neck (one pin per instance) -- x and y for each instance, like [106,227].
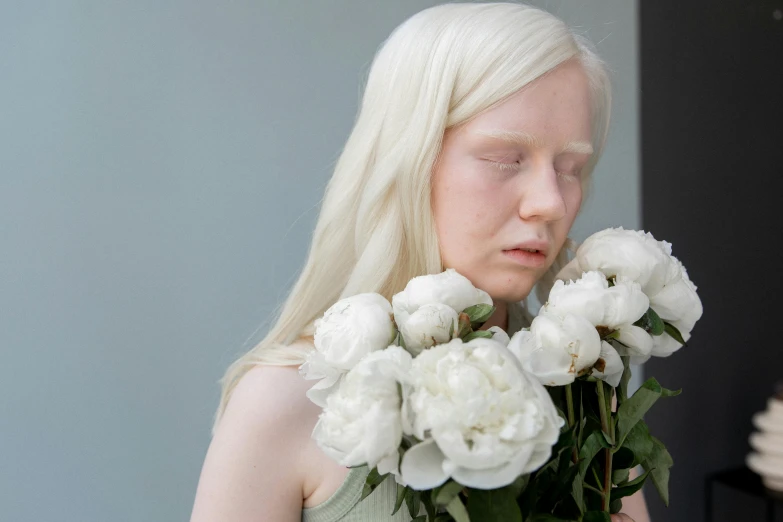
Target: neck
[499,317]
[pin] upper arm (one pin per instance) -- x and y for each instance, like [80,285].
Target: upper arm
[252,470]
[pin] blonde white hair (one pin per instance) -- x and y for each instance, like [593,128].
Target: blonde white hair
[439,69]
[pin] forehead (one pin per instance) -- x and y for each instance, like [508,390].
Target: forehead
[555,107]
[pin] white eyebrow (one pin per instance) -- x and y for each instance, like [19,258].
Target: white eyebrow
[524,138]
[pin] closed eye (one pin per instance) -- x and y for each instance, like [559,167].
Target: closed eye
[570,176]
[506,166]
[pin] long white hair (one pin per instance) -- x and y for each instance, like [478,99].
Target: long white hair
[375,232]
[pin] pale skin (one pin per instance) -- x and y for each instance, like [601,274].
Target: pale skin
[262,463]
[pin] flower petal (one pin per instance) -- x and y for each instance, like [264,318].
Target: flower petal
[499,335]
[495,477]
[636,340]
[612,369]
[422,466]
[322,389]
[428,326]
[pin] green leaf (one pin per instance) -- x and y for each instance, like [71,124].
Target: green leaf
[464,325]
[373,480]
[578,493]
[620,476]
[615,506]
[674,333]
[366,490]
[656,323]
[457,510]
[421,518]
[413,501]
[639,442]
[562,487]
[658,464]
[544,517]
[478,314]
[447,492]
[670,393]
[566,440]
[596,516]
[401,490]
[519,485]
[429,505]
[493,504]
[651,322]
[476,334]
[623,458]
[629,488]
[592,445]
[631,411]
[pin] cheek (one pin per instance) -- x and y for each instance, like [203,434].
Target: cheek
[467,205]
[573,201]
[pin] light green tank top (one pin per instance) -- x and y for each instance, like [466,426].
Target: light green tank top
[344,504]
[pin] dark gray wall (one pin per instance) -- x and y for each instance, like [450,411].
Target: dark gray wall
[712,169]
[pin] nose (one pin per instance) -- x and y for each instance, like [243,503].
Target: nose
[542,197]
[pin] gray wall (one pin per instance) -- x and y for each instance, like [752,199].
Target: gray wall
[161,165]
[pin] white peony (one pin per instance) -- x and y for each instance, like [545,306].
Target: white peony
[482,421]
[423,303]
[613,308]
[557,350]
[350,329]
[637,256]
[431,324]
[678,304]
[499,335]
[361,423]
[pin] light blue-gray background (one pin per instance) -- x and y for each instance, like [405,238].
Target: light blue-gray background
[161,165]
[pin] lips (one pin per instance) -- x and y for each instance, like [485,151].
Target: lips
[534,246]
[526,257]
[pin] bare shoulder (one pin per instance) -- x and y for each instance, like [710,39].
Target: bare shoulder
[267,394]
[254,468]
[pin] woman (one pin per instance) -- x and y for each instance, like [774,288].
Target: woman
[477,135]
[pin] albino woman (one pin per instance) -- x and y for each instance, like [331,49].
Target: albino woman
[477,136]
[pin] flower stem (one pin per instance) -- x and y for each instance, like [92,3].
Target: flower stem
[608,428]
[588,486]
[571,422]
[570,403]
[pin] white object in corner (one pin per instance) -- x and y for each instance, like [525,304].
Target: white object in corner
[767,459]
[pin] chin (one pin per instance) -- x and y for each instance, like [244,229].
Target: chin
[511,289]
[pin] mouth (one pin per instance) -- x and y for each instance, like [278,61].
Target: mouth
[529,257]
[530,254]
[533,246]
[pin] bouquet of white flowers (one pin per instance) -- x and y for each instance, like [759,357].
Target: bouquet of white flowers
[474,425]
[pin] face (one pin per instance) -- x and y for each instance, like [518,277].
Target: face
[510,180]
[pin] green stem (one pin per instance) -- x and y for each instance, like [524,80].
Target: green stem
[597,478]
[588,486]
[571,422]
[606,425]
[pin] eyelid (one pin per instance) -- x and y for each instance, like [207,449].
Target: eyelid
[506,166]
[570,177]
